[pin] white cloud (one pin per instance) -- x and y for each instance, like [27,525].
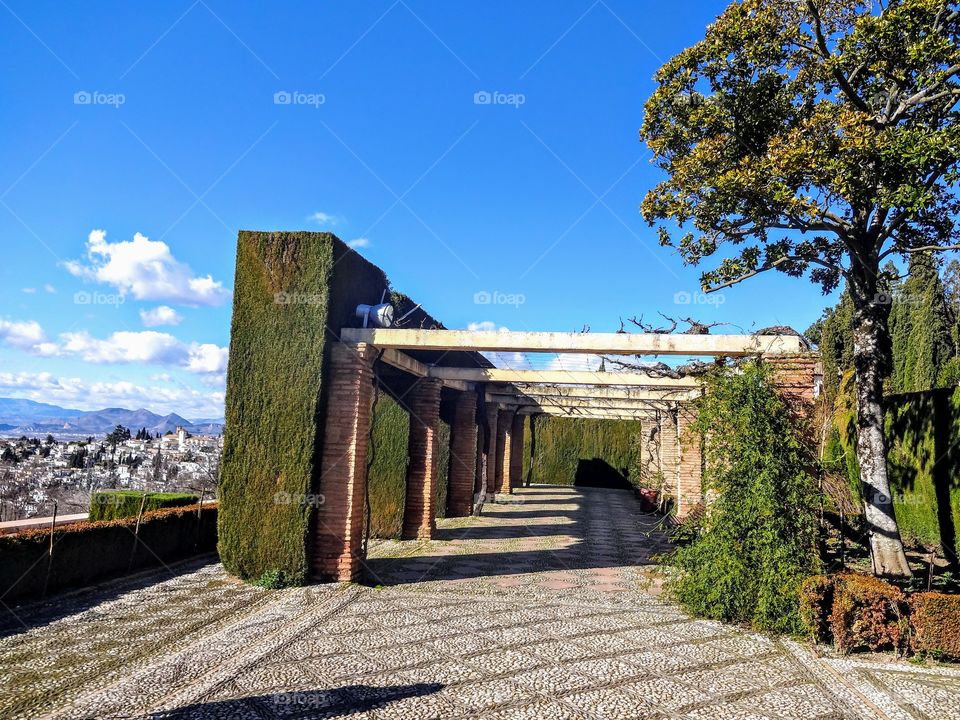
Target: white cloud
[486,326]
[50,289]
[160,315]
[26,335]
[29,291]
[207,358]
[322,218]
[94,395]
[574,361]
[146,346]
[359,243]
[147,270]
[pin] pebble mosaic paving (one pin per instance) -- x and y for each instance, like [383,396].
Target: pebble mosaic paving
[545,606]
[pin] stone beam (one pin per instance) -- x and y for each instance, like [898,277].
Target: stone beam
[561,377]
[567,342]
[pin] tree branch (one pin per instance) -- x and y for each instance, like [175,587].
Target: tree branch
[772,266]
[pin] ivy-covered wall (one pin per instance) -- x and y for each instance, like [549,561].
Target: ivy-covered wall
[563,442]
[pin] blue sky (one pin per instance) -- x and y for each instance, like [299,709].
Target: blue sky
[463,147]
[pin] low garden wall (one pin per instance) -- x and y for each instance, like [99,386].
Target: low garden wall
[89,552]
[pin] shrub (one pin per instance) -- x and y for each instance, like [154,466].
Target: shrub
[114,504]
[935,624]
[757,540]
[867,612]
[816,603]
[88,552]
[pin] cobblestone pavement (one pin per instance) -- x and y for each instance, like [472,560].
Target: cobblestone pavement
[544,607]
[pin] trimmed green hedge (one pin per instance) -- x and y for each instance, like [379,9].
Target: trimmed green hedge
[563,442]
[292,291]
[84,553]
[923,438]
[115,504]
[388,470]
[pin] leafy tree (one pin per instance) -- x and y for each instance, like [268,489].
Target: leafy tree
[820,137]
[118,435]
[758,539]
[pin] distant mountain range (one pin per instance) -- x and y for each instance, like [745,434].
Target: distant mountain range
[26,417]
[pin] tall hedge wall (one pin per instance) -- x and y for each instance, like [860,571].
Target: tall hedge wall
[923,431]
[923,439]
[563,442]
[291,292]
[388,470]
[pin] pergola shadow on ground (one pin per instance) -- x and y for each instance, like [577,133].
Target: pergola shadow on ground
[572,530]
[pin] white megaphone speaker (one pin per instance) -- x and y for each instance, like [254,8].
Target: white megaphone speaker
[376,315]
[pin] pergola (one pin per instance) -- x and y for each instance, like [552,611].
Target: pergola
[567,392]
[491,405]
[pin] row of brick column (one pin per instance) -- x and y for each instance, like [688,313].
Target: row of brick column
[491,462]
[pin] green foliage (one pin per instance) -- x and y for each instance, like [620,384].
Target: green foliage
[782,136]
[757,541]
[920,329]
[89,552]
[923,432]
[118,435]
[115,504]
[387,478]
[563,442]
[290,290]
[276,580]
[386,483]
[935,622]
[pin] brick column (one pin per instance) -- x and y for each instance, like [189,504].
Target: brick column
[666,451]
[504,443]
[690,462]
[423,401]
[798,379]
[338,523]
[463,456]
[491,450]
[516,451]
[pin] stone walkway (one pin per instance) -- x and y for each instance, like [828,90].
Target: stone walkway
[544,607]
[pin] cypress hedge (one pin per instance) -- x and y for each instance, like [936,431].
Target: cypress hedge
[563,442]
[292,292]
[115,504]
[88,552]
[923,458]
[388,468]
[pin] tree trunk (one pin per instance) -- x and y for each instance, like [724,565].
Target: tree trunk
[886,546]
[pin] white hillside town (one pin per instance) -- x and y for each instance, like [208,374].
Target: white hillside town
[37,472]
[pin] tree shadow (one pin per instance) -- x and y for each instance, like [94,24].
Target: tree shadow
[339,702]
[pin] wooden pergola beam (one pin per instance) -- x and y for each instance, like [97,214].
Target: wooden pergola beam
[581,403]
[564,342]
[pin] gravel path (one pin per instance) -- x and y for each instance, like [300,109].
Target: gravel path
[546,606]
